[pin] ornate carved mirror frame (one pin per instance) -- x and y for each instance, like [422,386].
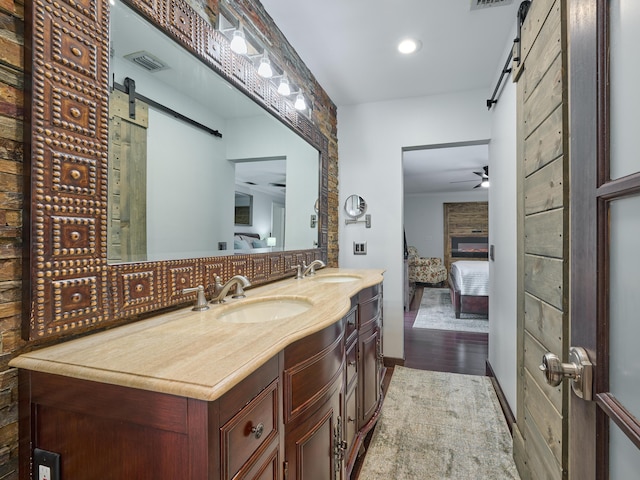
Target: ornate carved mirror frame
[69,287]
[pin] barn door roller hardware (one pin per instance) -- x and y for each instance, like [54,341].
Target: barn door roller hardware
[522,14]
[129,88]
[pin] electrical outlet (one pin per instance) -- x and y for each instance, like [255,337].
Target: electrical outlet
[46,464]
[359,248]
[44,473]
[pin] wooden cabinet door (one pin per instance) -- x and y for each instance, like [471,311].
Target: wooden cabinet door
[369,378]
[310,443]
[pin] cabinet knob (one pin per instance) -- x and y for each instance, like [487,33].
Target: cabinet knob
[257,430]
[352,363]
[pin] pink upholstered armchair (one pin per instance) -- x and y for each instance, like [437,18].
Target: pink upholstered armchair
[425,269]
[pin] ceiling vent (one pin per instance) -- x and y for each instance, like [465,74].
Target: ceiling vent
[147,61]
[480,4]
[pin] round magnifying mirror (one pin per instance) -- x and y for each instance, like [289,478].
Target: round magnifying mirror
[355,206]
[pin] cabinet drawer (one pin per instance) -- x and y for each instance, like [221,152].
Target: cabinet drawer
[369,311]
[307,383]
[251,428]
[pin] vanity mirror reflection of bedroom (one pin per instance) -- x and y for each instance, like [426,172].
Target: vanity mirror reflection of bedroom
[184,145]
[447,238]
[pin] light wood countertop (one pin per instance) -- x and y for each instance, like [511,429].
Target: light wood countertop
[196,354]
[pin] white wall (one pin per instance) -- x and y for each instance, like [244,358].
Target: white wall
[424,219]
[370,142]
[187,174]
[503,235]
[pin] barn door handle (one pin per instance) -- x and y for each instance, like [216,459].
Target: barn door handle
[579,370]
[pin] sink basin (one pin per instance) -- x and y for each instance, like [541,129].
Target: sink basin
[265,310]
[336,278]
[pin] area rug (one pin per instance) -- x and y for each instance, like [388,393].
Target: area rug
[436,426]
[436,311]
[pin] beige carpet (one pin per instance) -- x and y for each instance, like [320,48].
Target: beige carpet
[438,426]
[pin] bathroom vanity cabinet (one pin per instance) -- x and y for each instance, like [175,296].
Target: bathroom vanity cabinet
[301,414]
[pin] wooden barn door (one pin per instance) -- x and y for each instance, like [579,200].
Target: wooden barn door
[127,225]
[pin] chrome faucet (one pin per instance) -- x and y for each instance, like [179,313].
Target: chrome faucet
[220,291]
[310,269]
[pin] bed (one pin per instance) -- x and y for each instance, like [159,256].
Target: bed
[469,286]
[245,243]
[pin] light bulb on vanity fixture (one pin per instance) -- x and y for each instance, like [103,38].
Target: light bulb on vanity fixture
[300,104]
[238,42]
[265,70]
[283,88]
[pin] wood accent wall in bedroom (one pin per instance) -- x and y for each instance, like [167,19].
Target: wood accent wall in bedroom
[465,219]
[540,434]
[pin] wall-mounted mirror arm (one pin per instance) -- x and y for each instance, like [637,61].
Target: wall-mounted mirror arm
[366,221]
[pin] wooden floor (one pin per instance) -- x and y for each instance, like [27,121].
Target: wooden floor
[437,350]
[442,350]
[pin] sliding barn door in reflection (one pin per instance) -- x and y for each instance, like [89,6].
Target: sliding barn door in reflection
[127,226]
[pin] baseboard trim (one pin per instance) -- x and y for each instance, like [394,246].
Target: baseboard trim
[506,409]
[392,362]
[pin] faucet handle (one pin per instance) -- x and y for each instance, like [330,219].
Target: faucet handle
[298,269]
[201,299]
[217,285]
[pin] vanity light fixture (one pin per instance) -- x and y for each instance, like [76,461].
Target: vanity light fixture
[300,104]
[238,42]
[265,70]
[408,46]
[283,88]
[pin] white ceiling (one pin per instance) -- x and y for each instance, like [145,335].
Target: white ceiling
[350,47]
[434,170]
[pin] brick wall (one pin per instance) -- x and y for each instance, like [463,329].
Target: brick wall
[11,114]
[11,188]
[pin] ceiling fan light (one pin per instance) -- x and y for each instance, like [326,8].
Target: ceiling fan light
[485,183]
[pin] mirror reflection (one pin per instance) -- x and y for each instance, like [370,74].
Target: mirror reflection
[355,206]
[174,172]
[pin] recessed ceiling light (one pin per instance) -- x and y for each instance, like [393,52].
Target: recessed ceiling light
[409,45]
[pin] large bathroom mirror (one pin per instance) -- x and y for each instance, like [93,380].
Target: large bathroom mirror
[113,240]
[176,190]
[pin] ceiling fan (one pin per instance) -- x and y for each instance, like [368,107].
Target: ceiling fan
[484,178]
[484,175]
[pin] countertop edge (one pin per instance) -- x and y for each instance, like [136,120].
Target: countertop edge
[37,360]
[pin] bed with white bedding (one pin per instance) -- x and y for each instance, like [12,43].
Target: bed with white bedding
[469,286]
